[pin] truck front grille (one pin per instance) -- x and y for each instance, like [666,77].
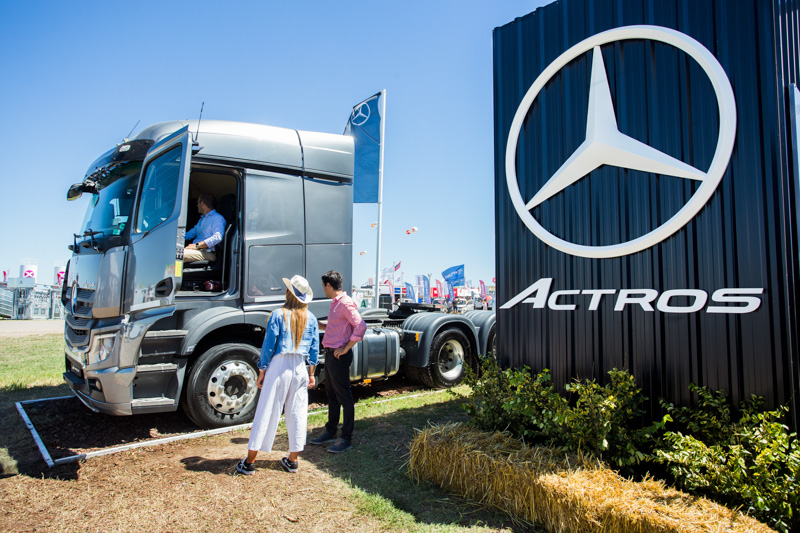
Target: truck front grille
[77,337]
[79,320]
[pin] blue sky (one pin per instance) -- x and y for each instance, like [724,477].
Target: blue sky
[75,77]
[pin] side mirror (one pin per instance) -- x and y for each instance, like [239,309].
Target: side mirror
[75,192]
[78,189]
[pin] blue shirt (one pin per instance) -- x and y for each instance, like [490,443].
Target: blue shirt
[278,339]
[209,229]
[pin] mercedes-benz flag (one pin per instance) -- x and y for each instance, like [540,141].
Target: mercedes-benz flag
[365,128]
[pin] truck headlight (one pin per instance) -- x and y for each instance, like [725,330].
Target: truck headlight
[101,349]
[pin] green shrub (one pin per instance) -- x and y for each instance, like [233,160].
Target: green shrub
[540,406]
[607,420]
[601,420]
[751,462]
[490,393]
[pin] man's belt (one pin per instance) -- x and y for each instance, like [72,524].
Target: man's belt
[330,350]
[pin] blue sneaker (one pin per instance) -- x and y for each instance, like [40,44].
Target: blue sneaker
[324,438]
[342,445]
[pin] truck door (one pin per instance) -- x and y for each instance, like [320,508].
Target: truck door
[156,261]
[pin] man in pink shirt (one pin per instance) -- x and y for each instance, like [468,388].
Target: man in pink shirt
[344,328]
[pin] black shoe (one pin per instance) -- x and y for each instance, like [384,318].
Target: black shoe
[289,466]
[248,469]
[342,445]
[324,438]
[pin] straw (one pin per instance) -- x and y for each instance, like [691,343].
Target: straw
[558,491]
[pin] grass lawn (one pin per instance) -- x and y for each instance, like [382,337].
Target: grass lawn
[31,361]
[190,485]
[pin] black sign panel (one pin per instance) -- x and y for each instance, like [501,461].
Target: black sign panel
[646,211]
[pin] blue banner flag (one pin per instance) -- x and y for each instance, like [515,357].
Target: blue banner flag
[410,292]
[365,128]
[426,287]
[450,292]
[454,275]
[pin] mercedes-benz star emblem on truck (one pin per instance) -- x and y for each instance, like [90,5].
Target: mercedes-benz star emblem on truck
[606,145]
[73,301]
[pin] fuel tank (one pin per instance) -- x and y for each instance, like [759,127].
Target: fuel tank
[377,355]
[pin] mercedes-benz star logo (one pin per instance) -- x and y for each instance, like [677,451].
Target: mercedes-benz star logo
[360,114]
[606,145]
[73,300]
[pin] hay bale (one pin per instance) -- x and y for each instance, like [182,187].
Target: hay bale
[561,492]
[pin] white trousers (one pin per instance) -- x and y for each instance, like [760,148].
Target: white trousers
[285,388]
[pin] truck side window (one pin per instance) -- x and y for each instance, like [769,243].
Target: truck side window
[159,191]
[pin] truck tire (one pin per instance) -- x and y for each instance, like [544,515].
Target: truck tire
[221,388]
[421,375]
[491,350]
[451,351]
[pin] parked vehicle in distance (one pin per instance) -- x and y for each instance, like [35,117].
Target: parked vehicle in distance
[147,333]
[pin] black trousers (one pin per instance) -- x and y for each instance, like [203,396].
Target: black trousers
[337,386]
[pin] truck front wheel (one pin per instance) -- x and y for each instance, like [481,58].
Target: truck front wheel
[450,352]
[221,389]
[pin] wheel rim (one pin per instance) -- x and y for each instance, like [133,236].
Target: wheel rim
[451,359]
[231,386]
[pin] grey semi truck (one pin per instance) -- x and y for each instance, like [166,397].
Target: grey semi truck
[146,332]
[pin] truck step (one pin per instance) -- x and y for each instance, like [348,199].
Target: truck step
[158,367]
[151,402]
[166,333]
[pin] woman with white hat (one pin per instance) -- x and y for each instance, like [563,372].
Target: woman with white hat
[291,340]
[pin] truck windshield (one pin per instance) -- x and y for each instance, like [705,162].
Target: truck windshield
[110,207]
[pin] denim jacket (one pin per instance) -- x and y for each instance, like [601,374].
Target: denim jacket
[278,339]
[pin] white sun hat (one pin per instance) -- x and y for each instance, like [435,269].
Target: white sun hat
[300,288]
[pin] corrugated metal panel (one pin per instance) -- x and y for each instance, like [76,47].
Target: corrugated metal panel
[743,237]
[6,302]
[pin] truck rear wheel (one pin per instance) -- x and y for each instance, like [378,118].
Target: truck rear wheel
[450,353]
[221,389]
[491,350]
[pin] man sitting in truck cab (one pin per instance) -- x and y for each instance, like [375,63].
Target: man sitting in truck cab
[206,234]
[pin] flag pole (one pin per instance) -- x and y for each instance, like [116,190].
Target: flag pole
[380,201]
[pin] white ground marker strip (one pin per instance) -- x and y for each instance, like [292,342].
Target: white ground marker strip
[116,449]
[35,434]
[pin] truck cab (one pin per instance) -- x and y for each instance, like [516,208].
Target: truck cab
[137,316]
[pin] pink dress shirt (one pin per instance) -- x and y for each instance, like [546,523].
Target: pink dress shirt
[344,323]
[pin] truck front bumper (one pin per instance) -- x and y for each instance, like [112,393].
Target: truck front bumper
[82,391]
[103,387]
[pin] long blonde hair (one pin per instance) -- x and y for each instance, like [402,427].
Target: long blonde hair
[298,317]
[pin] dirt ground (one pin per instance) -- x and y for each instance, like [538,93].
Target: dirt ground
[191,485]
[22,328]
